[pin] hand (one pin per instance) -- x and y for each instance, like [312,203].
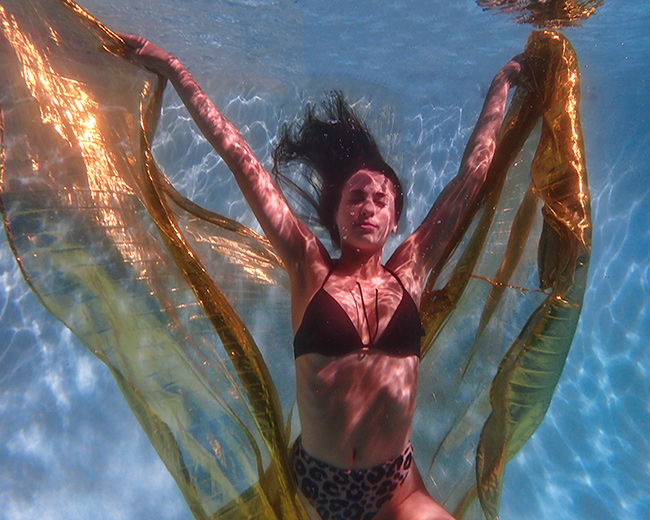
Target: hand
[145,53]
[510,71]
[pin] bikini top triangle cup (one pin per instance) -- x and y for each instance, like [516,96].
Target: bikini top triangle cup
[327,329]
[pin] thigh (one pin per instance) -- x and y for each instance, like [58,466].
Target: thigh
[413,503]
[418,506]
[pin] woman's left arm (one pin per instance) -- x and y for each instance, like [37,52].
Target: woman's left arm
[297,246]
[461,198]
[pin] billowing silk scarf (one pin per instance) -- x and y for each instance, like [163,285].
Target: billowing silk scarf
[166,293]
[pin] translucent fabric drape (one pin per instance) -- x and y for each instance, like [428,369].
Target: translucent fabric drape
[164,292]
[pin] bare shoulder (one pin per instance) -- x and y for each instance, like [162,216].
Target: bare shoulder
[404,264]
[307,276]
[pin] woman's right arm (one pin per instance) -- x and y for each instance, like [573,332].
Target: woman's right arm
[459,201]
[294,242]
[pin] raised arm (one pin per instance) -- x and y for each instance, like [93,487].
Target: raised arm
[420,252]
[293,241]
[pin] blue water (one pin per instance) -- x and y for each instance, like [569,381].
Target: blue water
[71,447]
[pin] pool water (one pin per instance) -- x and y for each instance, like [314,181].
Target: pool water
[72,448]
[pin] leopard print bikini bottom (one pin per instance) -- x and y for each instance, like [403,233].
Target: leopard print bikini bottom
[349,494]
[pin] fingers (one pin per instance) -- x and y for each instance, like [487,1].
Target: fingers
[131,48]
[144,53]
[135,42]
[511,72]
[515,67]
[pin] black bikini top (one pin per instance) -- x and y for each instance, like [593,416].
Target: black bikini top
[327,329]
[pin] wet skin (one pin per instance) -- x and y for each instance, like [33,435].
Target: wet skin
[356,410]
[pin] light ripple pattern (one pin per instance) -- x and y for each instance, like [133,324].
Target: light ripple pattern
[441,59]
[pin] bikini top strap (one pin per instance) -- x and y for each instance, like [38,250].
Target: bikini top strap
[396,278]
[327,277]
[386,268]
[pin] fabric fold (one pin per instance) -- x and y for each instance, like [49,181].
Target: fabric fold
[164,292]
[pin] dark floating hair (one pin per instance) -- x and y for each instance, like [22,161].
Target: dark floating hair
[333,146]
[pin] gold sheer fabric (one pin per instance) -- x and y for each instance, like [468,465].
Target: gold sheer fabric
[513,299]
[163,291]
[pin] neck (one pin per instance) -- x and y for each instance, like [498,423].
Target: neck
[359,264]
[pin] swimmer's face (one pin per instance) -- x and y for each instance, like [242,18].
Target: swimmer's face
[366,214]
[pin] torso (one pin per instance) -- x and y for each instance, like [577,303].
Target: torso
[356,410]
[357,377]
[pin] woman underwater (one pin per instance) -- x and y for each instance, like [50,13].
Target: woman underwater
[356,321]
